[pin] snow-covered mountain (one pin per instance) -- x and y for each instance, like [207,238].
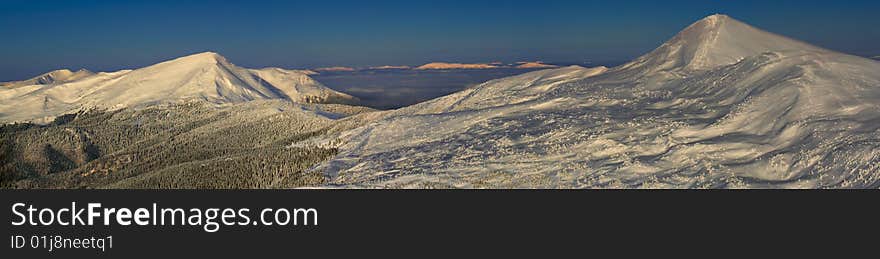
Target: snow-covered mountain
[205,76]
[720,105]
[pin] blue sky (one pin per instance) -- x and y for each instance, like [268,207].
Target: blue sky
[39,36]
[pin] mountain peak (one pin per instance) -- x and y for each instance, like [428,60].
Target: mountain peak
[713,26]
[59,71]
[715,18]
[717,40]
[207,54]
[204,57]
[192,62]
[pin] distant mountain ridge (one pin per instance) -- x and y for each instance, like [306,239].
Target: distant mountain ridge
[444,66]
[535,64]
[54,77]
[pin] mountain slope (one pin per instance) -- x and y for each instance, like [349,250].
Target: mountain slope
[205,76]
[720,105]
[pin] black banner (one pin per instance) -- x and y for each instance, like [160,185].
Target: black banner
[422,222]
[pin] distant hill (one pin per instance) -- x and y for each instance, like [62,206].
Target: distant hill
[535,64]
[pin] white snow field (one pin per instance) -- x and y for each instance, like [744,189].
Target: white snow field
[205,76]
[720,105]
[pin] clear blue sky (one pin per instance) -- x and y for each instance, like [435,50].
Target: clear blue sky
[38,36]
